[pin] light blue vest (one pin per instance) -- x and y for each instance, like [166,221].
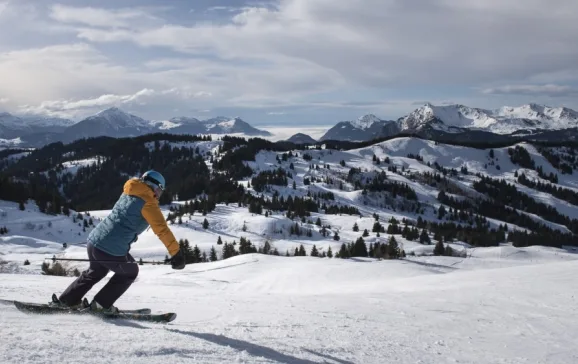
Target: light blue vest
[121,227]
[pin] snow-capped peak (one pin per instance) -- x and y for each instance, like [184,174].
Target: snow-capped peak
[116,116]
[504,120]
[365,121]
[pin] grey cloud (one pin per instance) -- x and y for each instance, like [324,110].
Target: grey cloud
[388,43]
[537,90]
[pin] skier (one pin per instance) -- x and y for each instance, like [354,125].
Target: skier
[109,243]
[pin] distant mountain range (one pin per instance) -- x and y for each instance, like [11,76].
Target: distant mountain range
[443,123]
[113,122]
[459,122]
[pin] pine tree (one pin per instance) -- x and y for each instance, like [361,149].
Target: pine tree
[329,253]
[365,233]
[424,237]
[296,254]
[318,222]
[197,255]
[360,248]
[219,241]
[439,248]
[266,247]
[314,251]
[343,252]
[355,227]
[246,247]
[213,254]
[205,224]
[302,251]
[393,248]
[336,236]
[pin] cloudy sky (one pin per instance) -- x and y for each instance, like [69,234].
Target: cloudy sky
[285,62]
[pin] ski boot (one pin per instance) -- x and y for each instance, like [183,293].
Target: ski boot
[95,307]
[59,304]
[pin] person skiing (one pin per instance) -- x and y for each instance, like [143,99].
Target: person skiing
[108,245]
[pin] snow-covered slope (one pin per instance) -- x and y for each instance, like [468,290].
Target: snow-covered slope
[262,309]
[470,308]
[505,120]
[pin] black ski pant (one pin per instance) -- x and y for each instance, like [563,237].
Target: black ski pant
[125,272]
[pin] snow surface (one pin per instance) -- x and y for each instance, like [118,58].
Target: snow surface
[264,309]
[73,166]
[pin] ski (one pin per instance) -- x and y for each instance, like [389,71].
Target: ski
[138,310]
[40,308]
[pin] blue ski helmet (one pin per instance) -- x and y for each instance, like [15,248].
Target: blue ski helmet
[154,178]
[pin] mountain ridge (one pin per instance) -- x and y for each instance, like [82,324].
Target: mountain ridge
[114,122]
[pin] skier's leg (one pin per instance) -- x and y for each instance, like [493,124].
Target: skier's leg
[75,292]
[125,274]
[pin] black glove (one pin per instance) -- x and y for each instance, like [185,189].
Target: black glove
[178,260]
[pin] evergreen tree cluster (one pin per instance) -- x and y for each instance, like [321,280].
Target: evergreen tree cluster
[440,249]
[192,255]
[203,206]
[507,194]
[380,183]
[379,250]
[3,230]
[556,191]
[295,229]
[415,156]
[276,177]
[520,156]
[566,161]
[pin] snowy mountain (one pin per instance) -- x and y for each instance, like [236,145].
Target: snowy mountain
[232,126]
[111,122]
[505,120]
[366,127]
[12,126]
[181,125]
[37,131]
[41,124]
[217,125]
[301,138]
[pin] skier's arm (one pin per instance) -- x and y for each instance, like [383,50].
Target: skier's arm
[153,215]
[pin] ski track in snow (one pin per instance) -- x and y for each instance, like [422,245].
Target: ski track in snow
[366,314]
